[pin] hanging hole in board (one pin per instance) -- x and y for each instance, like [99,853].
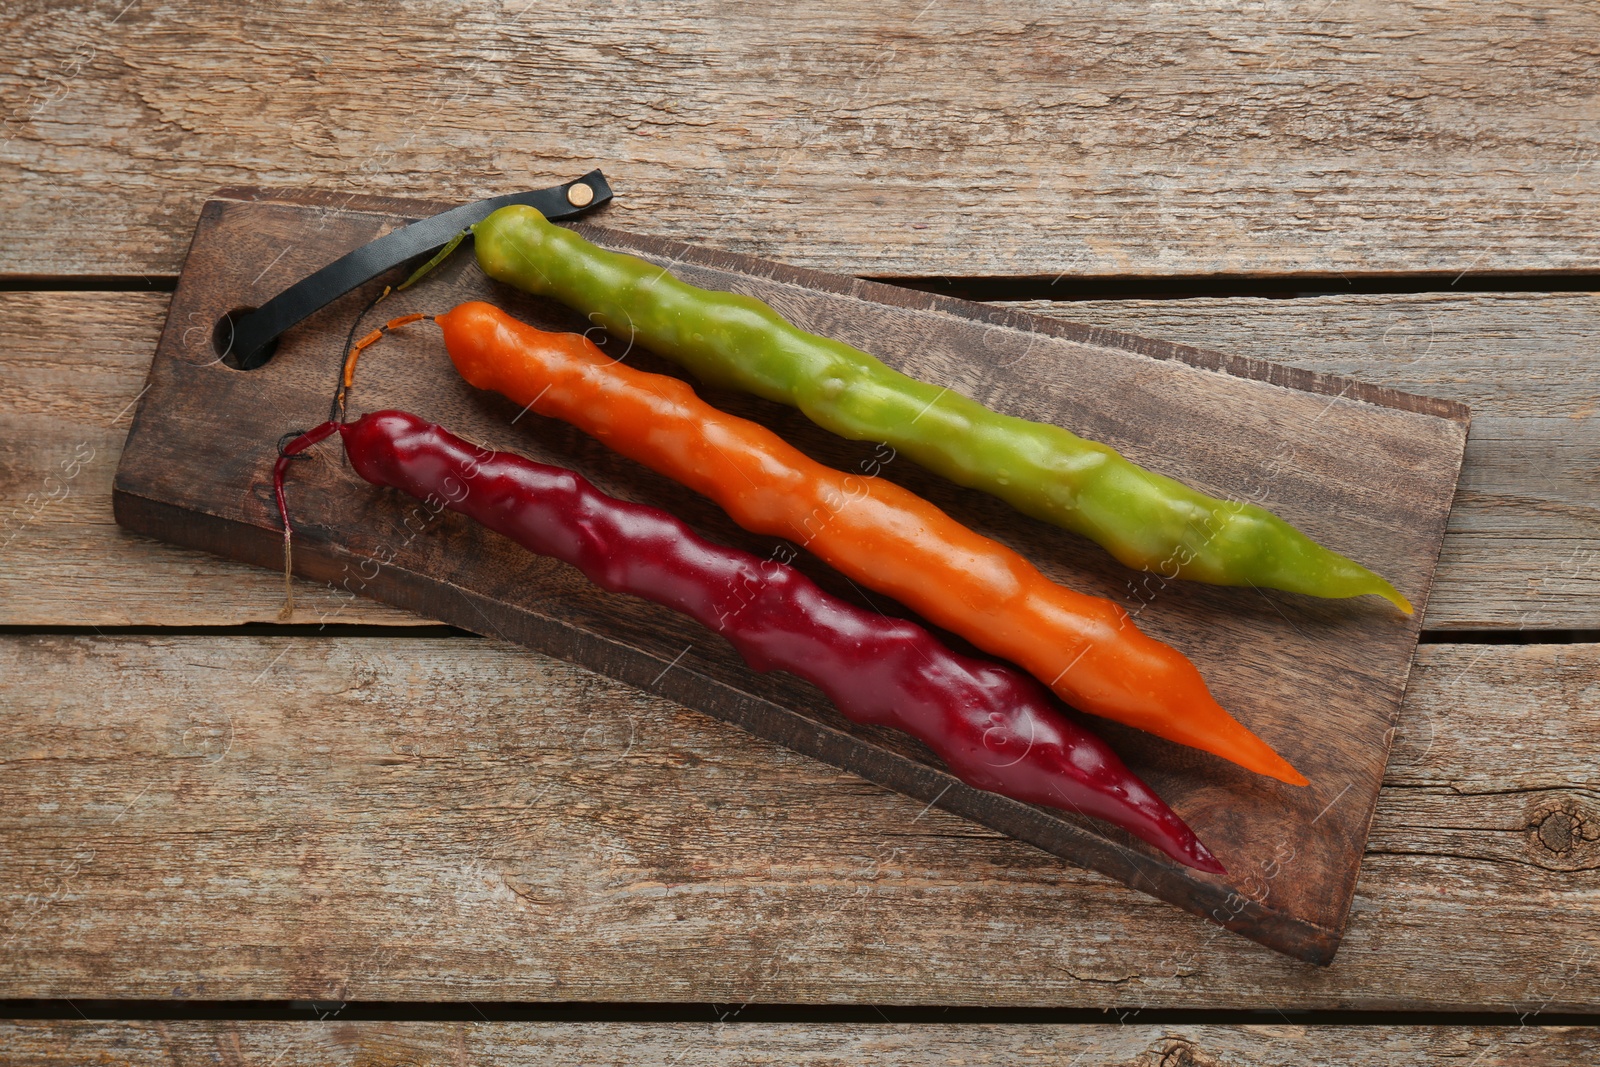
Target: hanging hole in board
[222,336]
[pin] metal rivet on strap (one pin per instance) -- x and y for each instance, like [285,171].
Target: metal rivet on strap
[579,194]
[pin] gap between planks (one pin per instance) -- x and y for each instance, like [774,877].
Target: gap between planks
[1061,289]
[336,1043]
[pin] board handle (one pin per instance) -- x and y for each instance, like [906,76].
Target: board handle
[250,342]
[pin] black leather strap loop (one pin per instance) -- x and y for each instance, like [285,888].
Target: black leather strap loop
[253,333]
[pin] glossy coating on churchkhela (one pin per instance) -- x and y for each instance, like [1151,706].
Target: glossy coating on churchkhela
[1145,519]
[1085,648]
[993,727]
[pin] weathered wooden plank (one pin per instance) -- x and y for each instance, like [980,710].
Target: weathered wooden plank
[891,138]
[74,363]
[1523,548]
[335,1043]
[362,819]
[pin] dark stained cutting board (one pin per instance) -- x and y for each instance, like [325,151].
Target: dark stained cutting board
[1366,470]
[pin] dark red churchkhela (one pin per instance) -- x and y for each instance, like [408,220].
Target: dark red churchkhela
[995,728]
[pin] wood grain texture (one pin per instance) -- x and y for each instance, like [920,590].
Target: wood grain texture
[382,1044]
[1522,548]
[891,138]
[1367,471]
[456,819]
[73,367]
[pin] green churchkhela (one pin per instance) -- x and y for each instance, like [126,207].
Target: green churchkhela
[1146,520]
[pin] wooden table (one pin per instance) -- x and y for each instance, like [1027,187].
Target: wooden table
[376,839]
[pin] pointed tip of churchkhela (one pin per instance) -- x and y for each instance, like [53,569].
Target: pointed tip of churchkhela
[1166,830]
[1177,840]
[1284,771]
[1252,753]
[1212,729]
[1343,577]
[1395,597]
[1202,859]
[1357,580]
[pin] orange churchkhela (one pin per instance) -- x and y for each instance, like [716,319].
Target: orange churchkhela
[1085,648]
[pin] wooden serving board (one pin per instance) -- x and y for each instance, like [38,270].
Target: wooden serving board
[1366,470]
